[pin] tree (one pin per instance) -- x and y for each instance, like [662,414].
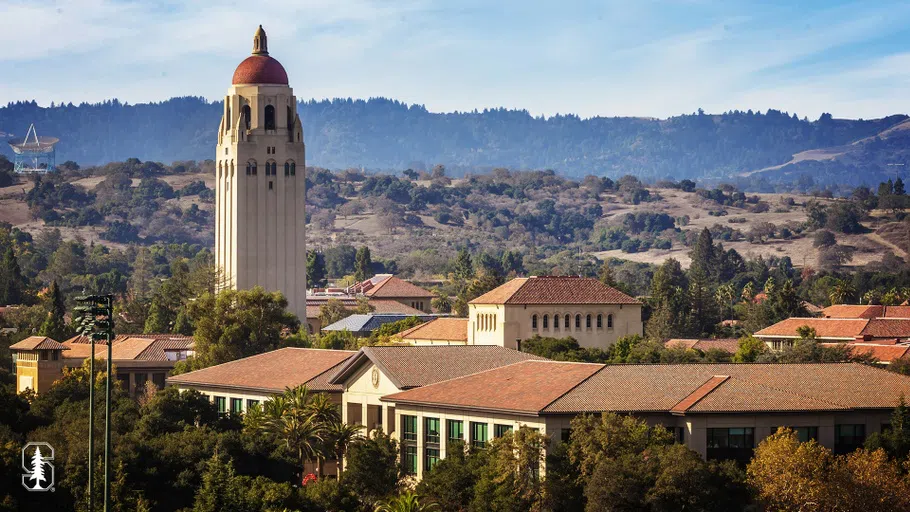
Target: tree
[896,439]
[785,303]
[407,502]
[509,478]
[340,436]
[605,275]
[451,483]
[442,303]
[12,283]
[315,269]
[363,306]
[238,323]
[899,187]
[292,419]
[703,256]
[750,349]
[363,268]
[54,326]
[372,467]
[841,292]
[824,238]
[332,311]
[37,474]
[463,268]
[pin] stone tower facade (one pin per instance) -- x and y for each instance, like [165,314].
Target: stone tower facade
[259,197]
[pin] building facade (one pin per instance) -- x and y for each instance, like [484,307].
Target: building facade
[259,194]
[594,314]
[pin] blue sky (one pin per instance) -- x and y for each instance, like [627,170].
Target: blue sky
[609,58]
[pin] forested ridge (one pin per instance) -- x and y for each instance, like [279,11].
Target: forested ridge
[386,134]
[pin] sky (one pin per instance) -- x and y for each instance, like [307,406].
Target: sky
[645,58]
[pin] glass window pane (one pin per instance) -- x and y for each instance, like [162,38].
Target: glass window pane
[455,430]
[431,429]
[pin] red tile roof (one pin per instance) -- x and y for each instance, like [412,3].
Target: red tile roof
[730,345]
[887,328]
[679,388]
[415,366]
[525,387]
[825,328]
[851,311]
[270,372]
[881,352]
[554,290]
[129,347]
[441,329]
[379,306]
[394,287]
[38,343]
[260,69]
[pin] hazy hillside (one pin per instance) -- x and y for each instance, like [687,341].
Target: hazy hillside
[386,134]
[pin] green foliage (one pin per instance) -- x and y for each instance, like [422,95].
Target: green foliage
[407,502]
[895,440]
[315,270]
[372,467]
[332,311]
[363,265]
[750,349]
[54,326]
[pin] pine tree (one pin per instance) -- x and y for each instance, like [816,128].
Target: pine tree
[315,270]
[363,265]
[605,275]
[704,257]
[899,187]
[11,280]
[37,475]
[464,267]
[54,326]
[157,321]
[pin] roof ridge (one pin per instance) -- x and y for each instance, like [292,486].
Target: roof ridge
[228,362]
[699,393]
[572,388]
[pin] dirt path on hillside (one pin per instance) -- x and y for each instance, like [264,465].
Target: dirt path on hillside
[875,237]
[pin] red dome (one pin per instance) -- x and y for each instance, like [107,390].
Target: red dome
[260,69]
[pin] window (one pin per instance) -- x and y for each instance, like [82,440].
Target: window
[269,117]
[565,434]
[410,460]
[44,355]
[290,124]
[588,321]
[556,321]
[609,321]
[848,438]
[533,321]
[731,443]
[140,381]
[804,434]
[567,322]
[274,168]
[221,404]
[251,168]
[431,459]
[293,169]
[454,431]
[270,185]
[546,321]
[679,434]
[478,434]
[245,110]
[268,150]
[408,428]
[158,380]
[500,430]
[600,321]
[287,168]
[578,321]
[251,403]
[236,406]
[431,430]
[124,380]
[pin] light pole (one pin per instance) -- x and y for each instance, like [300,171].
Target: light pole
[97,322]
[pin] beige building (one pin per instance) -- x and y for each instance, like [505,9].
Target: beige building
[721,411]
[39,362]
[439,331]
[389,287]
[584,308]
[378,371]
[259,193]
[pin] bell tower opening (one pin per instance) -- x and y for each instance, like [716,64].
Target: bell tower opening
[269,117]
[260,42]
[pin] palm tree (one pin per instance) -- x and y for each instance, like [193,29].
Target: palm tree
[841,292]
[290,418]
[407,502]
[339,437]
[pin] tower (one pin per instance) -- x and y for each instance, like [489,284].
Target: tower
[259,197]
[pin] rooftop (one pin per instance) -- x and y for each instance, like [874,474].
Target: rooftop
[442,329]
[271,371]
[865,311]
[415,366]
[730,345]
[389,286]
[846,329]
[130,348]
[365,323]
[678,389]
[554,290]
[38,343]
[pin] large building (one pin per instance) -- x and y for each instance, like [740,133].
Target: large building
[594,314]
[259,194]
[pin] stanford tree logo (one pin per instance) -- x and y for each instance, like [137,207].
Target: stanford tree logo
[38,470]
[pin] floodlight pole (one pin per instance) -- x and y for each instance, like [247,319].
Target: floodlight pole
[108,301]
[91,428]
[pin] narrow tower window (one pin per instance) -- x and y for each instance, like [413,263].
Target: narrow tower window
[290,124]
[247,115]
[287,168]
[269,117]
[293,169]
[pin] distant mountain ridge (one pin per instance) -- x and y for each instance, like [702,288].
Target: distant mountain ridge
[386,134]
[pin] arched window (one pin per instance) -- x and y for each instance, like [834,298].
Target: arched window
[546,321]
[600,321]
[293,169]
[609,321]
[269,117]
[274,168]
[578,321]
[251,167]
[588,321]
[533,321]
[287,168]
[567,322]
[247,116]
[556,321]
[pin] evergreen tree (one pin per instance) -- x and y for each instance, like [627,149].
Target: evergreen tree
[464,268]
[315,270]
[157,321]
[363,264]
[512,262]
[11,280]
[704,314]
[784,302]
[605,275]
[899,187]
[704,257]
[54,326]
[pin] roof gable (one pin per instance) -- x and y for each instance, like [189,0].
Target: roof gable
[442,329]
[38,343]
[395,287]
